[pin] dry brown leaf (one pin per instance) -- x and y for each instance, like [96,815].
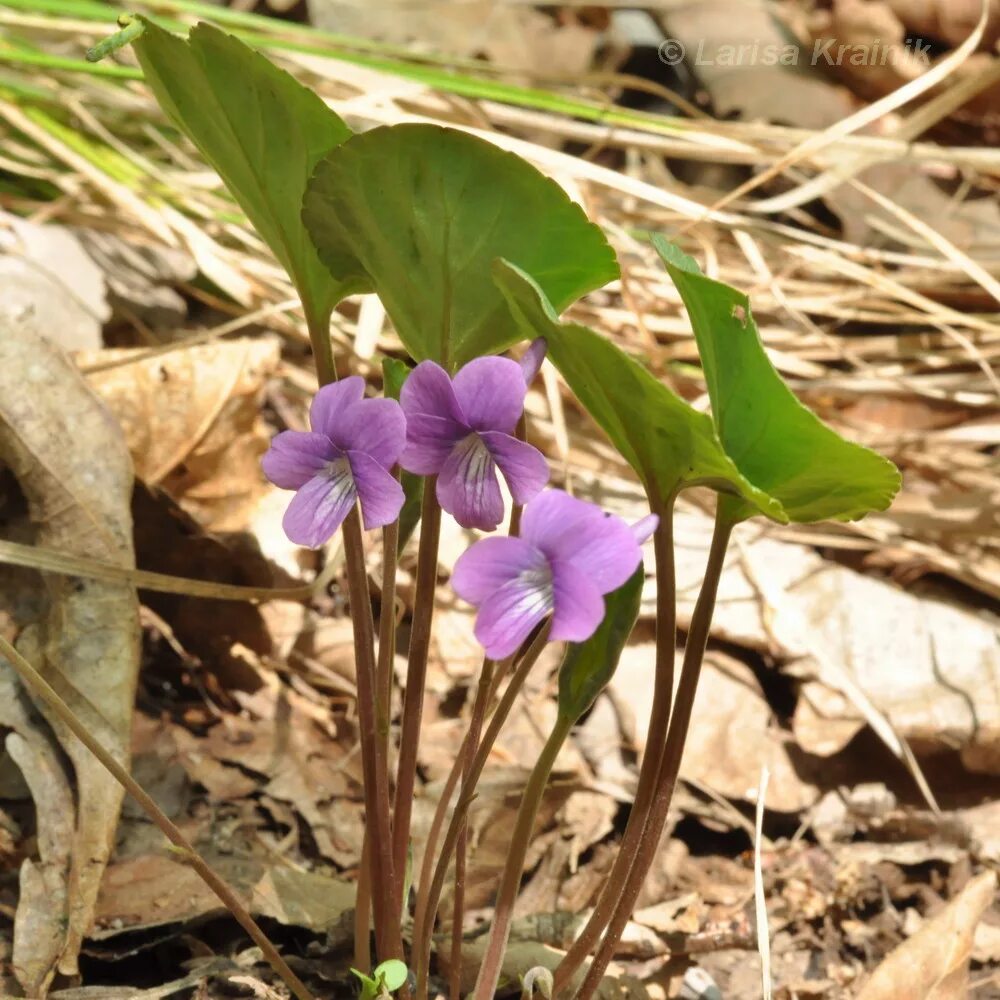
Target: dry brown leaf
[934,963]
[192,422]
[74,470]
[152,889]
[716,35]
[733,732]
[48,278]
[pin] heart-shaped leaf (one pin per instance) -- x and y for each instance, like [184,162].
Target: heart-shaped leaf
[589,665]
[418,213]
[669,444]
[260,129]
[780,446]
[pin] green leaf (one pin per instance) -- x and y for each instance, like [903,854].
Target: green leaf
[669,444]
[589,665]
[369,987]
[394,374]
[418,213]
[778,444]
[391,974]
[260,129]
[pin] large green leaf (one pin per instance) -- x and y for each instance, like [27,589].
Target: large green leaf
[260,129]
[778,444]
[589,665]
[418,213]
[669,444]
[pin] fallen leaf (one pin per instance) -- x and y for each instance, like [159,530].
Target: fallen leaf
[733,732]
[51,283]
[934,963]
[141,276]
[192,422]
[74,470]
[152,889]
[725,42]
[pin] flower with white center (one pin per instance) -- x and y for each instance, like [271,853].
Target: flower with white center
[346,457]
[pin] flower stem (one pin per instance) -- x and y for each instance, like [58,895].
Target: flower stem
[383,711]
[362,909]
[374,763]
[694,652]
[659,718]
[479,707]
[461,850]
[428,902]
[416,677]
[520,840]
[46,693]
[386,631]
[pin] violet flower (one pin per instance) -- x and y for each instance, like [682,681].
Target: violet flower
[461,429]
[347,455]
[569,554]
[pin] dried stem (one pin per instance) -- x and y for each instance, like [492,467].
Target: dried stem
[428,900]
[46,693]
[416,676]
[694,652]
[520,840]
[659,718]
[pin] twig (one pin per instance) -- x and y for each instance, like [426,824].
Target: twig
[44,691]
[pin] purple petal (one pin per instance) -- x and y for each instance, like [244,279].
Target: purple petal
[553,515]
[607,554]
[483,568]
[317,510]
[376,427]
[429,442]
[643,530]
[428,390]
[330,403]
[508,615]
[531,360]
[597,544]
[379,491]
[467,486]
[578,605]
[491,393]
[296,456]
[523,466]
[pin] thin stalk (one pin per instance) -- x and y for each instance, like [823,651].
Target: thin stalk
[374,763]
[694,653]
[659,718]
[383,712]
[387,631]
[416,676]
[46,693]
[475,731]
[428,903]
[375,770]
[363,909]
[458,770]
[461,850]
[520,840]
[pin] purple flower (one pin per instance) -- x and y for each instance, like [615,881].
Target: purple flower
[347,455]
[569,554]
[461,430]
